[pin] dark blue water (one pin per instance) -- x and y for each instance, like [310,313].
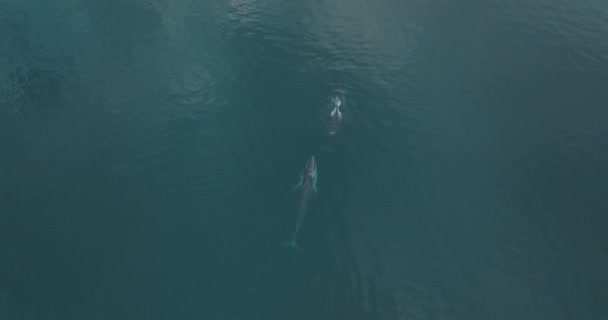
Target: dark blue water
[148,149]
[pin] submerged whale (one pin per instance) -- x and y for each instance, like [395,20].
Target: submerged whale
[334,119]
[307,187]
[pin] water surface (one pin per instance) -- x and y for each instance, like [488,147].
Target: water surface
[148,149]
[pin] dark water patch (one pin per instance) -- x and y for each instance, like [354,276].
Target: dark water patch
[565,174]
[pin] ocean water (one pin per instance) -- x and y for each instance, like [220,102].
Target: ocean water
[148,150]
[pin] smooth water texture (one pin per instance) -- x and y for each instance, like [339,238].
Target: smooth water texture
[148,150]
